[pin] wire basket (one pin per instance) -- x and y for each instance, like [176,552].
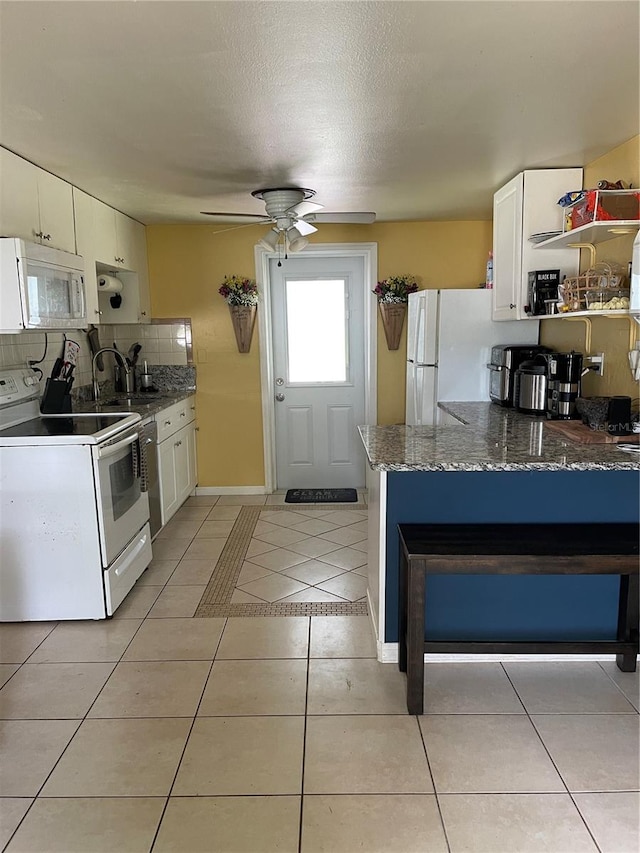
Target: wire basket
[602,287]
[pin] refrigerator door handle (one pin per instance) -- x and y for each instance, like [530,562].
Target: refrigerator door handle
[417,401]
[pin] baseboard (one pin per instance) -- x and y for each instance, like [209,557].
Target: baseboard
[232,490]
[388,653]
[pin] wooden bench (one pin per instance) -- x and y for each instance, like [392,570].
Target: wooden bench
[512,549]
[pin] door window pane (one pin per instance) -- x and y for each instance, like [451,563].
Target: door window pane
[316,330]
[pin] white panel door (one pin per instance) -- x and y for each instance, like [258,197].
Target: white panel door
[318,361]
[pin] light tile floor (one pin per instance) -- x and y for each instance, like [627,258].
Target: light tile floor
[159,731]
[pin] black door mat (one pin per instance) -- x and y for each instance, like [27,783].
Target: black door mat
[321,496]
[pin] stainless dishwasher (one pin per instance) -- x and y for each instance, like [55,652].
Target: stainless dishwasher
[150,441]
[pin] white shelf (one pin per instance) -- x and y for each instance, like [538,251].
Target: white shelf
[594,232]
[567,315]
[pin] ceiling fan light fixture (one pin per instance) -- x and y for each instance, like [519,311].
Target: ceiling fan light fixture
[296,242]
[269,241]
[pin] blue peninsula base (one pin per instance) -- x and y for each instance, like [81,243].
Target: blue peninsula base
[507,607]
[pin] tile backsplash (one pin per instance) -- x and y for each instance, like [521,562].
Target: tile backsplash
[163,343]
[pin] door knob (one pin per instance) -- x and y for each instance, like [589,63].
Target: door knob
[279,397]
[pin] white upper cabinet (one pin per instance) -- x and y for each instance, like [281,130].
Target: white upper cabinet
[131,247]
[140,264]
[34,204]
[42,208]
[528,205]
[103,233]
[117,237]
[83,207]
[127,239]
[19,215]
[105,241]
[55,203]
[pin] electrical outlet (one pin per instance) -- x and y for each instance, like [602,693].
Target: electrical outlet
[596,363]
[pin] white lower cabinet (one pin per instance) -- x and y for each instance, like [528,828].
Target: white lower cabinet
[176,456]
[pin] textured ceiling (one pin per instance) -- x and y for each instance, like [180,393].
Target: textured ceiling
[414,110]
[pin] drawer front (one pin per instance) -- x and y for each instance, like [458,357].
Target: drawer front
[126,570]
[174,417]
[186,412]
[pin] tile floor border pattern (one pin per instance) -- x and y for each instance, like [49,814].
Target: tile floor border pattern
[216,599]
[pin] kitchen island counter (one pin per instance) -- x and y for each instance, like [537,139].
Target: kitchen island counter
[496,466]
[488,438]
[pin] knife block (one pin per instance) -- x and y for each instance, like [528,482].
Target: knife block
[56,399]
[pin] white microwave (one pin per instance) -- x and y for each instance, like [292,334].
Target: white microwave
[40,287]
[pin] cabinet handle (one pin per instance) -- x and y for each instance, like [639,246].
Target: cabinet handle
[46,236]
[98,312]
[37,234]
[193,408]
[511,306]
[167,423]
[177,444]
[143,313]
[183,414]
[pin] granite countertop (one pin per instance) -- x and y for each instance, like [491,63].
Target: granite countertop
[146,404]
[489,438]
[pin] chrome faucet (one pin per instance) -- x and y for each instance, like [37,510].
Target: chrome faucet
[123,362]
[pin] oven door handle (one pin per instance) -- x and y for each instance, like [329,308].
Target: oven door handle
[112,449]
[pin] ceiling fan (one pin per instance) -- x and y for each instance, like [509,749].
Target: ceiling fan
[291,214]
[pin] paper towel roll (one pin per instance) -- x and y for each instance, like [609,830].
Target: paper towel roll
[109,284]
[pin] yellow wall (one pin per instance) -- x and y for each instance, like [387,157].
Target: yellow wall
[187,264]
[610,336]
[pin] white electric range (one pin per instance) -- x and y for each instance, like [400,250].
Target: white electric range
[74,512]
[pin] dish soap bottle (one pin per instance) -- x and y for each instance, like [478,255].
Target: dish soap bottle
[489,277]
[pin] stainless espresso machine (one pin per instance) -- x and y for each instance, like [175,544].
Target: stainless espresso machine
[564,370]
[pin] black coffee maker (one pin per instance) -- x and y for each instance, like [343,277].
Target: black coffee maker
[543,291]
[564,370]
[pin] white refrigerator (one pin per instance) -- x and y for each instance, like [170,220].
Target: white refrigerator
[450,334]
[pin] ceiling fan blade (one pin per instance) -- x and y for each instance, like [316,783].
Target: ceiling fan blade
[237,227]
[355,218]
[303,208]
[304,227]
[234,217]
